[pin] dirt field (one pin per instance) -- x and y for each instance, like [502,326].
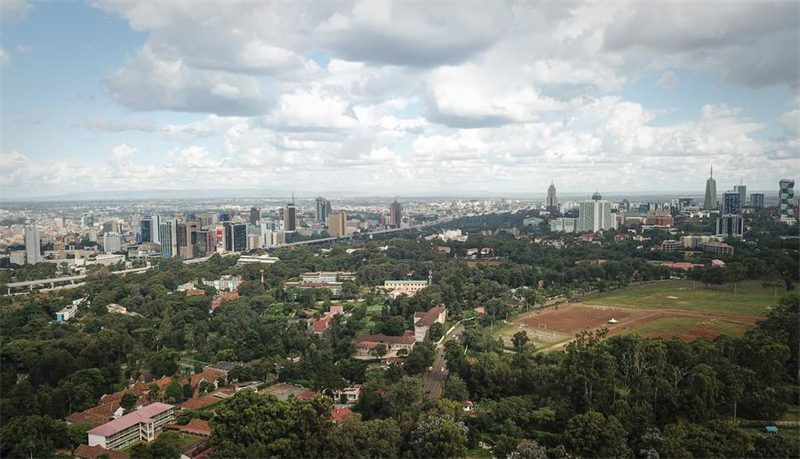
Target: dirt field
[664,323]
[283,391]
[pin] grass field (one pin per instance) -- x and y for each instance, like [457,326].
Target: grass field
[752,299]
[688,328]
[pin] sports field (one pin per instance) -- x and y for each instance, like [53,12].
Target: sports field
[689,328]
[751,299]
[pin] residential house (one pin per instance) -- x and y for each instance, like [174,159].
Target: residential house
[407,285]
[66,313]
[93,452]
[351,394]
[225,283]
[219,299]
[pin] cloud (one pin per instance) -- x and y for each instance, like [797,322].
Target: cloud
[14,10]
[12,159]
[99,124]
[207,127]
[5,57]
[667,80]
[28,119]
[22,48]
[121,153]
[790,120]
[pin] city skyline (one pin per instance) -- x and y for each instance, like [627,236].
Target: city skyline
[317,101]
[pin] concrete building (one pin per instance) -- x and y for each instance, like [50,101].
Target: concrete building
[327,276]
[255,215]
[322,209]
[407,285]
[290,217]
[235,236]
[367,344]
[552,200]
[226,283]
[710,202]
[151,229]
[112,242]
[66,313]
[140,425]
[786,200]
[395,214]
[17,257]
[595,215]
[424,320]
[33,245]
[731,202]
[730,225]
[168,235]
[742,190]
[716,247]
[567,225]
[757,199]
[337,224]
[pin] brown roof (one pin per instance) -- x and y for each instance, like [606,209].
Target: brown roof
[109,403]
[197,426]
[91,452]
[428,318]
[197,403]
[373,340]
[209,375]
[337,414]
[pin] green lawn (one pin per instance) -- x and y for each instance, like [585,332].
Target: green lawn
[689,327]
[374,309]
[752,299]
[790,433]
[479,453]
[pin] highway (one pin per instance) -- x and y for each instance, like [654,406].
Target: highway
[361,236]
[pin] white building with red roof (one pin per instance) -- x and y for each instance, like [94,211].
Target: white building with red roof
[424,320]
[140,425]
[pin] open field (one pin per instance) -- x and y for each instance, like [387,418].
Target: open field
[751,299]
[689,328]
[283,391]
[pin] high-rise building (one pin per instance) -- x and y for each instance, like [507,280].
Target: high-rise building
[33,246]
[595,215]
[168,237]
[150,229]
[757,199]
[187,239]
[786,200]
[552,200]
[710,202]
[337,224]
[112,242]
[731,202]
[597,196]
[322,209]
[290,216]
[235,237]
[395,214]
[255,215]
[742,190]
[730,225]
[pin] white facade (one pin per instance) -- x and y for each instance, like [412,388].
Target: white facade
[595,216]
[112,242]
[567,225]
[33,253]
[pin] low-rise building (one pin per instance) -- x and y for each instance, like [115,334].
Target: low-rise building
[671,245]
[140,425]
[407,285]
[350,394]
[334,287]
[424,320]
[66,313]
[365,344]
[327,276]
[219,299]
[716,247]
[225,283]
[566,225]
[256,259]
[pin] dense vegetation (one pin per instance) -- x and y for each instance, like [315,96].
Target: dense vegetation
[619,396]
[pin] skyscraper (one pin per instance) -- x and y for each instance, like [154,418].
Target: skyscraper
[595,215]
[786,200]
[731,202]
[33,247]
[150,228]
[730,225]
[322,210]
[337,224]
[187,239]
[168,237]
[552,200]
[710,202]
[255,215]
[290,217]
[235,237]
[596,196]
[112,242]
[742,190]
[757,199]
[395,214]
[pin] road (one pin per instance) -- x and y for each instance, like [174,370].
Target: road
[434,380]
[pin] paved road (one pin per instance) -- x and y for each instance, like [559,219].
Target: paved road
[434,380]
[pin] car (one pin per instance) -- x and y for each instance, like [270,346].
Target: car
[430,368]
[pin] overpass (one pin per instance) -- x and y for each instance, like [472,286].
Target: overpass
[66,281]
[360,236]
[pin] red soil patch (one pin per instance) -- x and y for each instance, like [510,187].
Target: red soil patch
[577,317]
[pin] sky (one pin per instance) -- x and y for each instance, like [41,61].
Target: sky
[397,98]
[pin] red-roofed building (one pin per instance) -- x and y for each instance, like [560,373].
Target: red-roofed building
[199,402]
[336,310]
[339,414]
[366,343]
[682,265]
[319,326]
[424,320]
[480,310]
[109,407]
[219,299]
[140,425]
[196,292]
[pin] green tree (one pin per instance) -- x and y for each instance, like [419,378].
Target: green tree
[438,435]
[436,331]
[128,402]
[32,436]
[78,433]
[455,388]
[519,340]
[173,393]
[353,438]
[595,435]
[420,358]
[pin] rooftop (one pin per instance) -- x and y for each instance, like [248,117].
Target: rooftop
[139,416]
